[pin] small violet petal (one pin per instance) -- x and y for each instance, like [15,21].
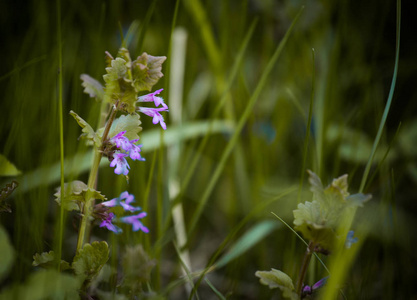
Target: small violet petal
[152,98]
[119,160]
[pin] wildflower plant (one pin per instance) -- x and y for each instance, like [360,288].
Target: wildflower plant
[323,222]
[116,138]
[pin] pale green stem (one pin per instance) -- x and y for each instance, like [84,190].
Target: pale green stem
[89,200]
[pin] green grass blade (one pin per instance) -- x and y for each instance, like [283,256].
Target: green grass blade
[248,240]
[61,133]
[216,291]
[239,127]
[389,101]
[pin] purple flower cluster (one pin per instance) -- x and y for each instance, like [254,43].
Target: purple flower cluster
[124,200]
[127,148]
[154,112]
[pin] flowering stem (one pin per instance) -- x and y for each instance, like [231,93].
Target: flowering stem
[304,266]
[89,200]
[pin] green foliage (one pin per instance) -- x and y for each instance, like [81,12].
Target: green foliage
[278,279]
[137,267]
[6,192]
[129,123]
[320,219]
[88,131]
[47,260]
[90,260]
[7,168]
[92,87]
[247,241]
[45,284]
[126,78]
[75,193]
[146,71]
[7,253]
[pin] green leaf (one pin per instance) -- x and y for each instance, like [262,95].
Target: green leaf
[247,241]
[7,168]
[88,131]
[117,71]
[146,71]
[76,193]
[128,123]
[319,220]
[7,253]
[47,284]
[6,192]
[137,267]
[46,260]
[119,86]
[92,87]
[278,279]
[90,259]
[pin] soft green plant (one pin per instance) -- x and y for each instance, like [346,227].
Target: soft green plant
[325,223]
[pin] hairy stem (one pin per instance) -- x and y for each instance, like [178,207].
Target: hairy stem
[89,200]
[304,266]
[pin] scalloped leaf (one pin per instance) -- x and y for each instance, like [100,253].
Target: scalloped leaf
[7,168]
[128,123]
[46,260]
[88,131]
[319,220]
[278,279]
[117,70]
[92,87]
[119,83]
[90,260]
[6,192]
[76,193]
[137,266]
[146,71]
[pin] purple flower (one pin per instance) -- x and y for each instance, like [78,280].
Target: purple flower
[107,222]
[152,98]
[308,290]
[121,141]
[134,152]
[129,198]
[119,160]
[154,112]
[134,221]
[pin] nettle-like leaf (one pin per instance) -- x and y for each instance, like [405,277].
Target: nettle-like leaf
[278,279]
[128,123]
[90,259]
[75,193]
[146,71]
[46,260]
[92,87]
[319,220]
[5,193]
[7,168]
[88,131]
[137,267]
[119,85]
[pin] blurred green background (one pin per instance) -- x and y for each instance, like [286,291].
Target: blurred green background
[354,50]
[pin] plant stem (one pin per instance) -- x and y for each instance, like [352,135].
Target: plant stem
[304,266]
[89,200]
